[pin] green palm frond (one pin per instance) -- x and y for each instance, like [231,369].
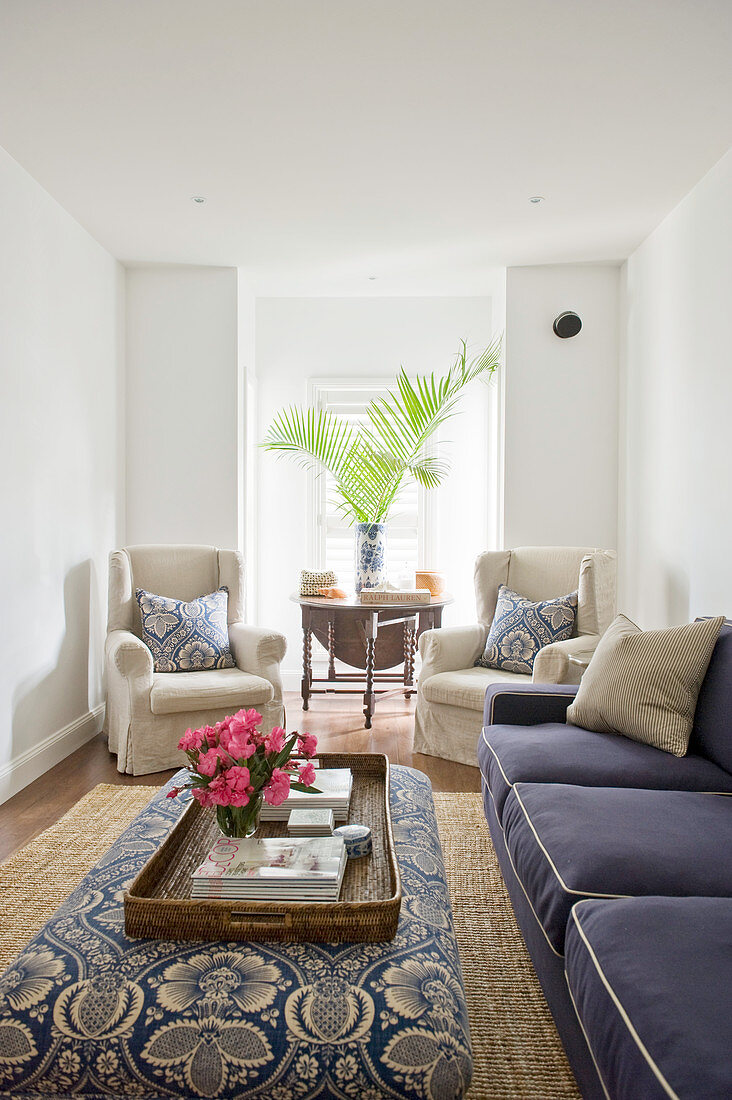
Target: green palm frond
[430,471]
[369,464]
[314,437]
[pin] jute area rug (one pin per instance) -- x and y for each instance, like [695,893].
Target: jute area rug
[516,1050]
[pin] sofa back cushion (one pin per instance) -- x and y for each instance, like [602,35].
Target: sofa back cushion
[712,732]
[644,684]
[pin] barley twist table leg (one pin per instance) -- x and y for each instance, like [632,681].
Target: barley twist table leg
[368,698]
[331,650]
[307,673]
[410,647]
[407,653]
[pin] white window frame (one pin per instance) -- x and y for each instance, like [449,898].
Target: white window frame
[319,396]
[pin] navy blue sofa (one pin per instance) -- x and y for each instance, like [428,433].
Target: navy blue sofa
[618,860]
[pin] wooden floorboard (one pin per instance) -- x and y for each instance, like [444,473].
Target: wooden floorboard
[336,720]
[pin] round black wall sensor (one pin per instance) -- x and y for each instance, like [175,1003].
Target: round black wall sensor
[567,324]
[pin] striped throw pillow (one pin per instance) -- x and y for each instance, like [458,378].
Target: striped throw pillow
[644,684]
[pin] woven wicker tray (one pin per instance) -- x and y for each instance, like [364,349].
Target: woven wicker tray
[158,904]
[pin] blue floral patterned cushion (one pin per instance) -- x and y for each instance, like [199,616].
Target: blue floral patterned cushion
[87,1013]
[186,637]
[520,628]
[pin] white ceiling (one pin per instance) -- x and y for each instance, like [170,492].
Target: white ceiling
[337,139]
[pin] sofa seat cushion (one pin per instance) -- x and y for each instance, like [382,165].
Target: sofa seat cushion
[651,980]
[467,687]
[567,843]
[174,692]
[557,753]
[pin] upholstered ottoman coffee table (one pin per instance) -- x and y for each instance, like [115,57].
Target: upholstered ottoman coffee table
[87,1012]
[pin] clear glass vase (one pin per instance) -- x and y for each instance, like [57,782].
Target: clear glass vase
[240,821]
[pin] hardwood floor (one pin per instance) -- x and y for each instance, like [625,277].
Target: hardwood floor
[336,720]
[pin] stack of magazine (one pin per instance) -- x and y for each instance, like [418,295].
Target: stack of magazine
[272,869]
[335,785]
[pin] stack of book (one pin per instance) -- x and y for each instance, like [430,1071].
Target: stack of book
[308,822]
[335,785]
[272,869]
[395,595]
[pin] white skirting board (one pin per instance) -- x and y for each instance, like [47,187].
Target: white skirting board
[32,763]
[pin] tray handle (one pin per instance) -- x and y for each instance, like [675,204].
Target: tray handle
[260,920]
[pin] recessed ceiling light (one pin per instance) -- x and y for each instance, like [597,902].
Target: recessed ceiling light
[373,278]
[536,198]
[201,199]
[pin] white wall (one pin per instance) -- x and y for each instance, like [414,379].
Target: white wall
[561,407]
[183,462]
[676,469]
[303,338]
[247,433]
[61,334]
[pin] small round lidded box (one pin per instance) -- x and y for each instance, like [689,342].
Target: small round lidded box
[357,839]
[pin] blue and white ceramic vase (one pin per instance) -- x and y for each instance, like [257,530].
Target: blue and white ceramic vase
[370,562]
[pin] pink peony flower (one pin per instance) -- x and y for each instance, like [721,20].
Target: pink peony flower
[242,747]
[275,742]
[210,736]
[237,780]
[219,791]
[191,739]
[307,774]
[250,718]
[237,741]
[276,791]
[203,795]
[207,761]
[237,776]
[308,744]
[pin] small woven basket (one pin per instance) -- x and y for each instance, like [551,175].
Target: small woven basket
[312,581]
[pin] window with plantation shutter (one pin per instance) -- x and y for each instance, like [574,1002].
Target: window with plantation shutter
[332,535]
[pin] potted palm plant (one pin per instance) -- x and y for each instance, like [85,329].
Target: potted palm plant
[371,464]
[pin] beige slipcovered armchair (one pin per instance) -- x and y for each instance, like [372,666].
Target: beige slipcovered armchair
[451,691]
[147,711]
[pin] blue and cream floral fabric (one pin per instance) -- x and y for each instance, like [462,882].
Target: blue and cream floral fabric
[87,1012]
[370,555]
[186,637]
[520,628]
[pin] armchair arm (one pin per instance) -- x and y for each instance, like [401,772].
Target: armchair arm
[527,704]
[130,657]
[553,666]
[259,651]
[450,648]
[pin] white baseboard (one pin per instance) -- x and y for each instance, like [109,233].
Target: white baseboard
[29,765]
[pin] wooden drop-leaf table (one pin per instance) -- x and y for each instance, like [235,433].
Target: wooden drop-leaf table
[371,638]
